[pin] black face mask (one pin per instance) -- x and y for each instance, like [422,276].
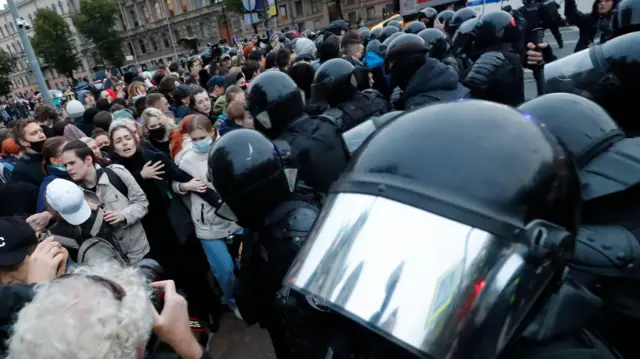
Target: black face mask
[157,134]
[37,146]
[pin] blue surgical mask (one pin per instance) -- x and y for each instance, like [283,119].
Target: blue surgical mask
[203,145]
[62,168]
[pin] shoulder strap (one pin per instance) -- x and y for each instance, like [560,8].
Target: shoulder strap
[116,181]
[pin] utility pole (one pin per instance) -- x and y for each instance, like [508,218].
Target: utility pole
[34,65]
[165,9]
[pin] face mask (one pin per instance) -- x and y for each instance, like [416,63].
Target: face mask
[58,167]
[37,146]
[243,87]
[203,145]
[157,134]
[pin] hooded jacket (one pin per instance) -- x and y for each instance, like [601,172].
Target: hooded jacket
[305,50]
[433,82]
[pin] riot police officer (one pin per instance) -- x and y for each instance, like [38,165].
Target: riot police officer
[255,185]
[462,45]
[425,177]
[497,73]
[386,32]
[438,47]
[458,18]
[627,18]
[335,84]
[444,17]
[423,80]
[607,74]
[278,110]
[427,16]
[609,166]
[414,27]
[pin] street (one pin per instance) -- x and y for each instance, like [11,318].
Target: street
[236,340]
[570,37]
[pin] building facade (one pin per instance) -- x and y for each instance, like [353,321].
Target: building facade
[22,80]
[156,31]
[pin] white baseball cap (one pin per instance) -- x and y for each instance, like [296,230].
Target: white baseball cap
[66,198]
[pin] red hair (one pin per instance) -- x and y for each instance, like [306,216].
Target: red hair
[176,138]
[10,147]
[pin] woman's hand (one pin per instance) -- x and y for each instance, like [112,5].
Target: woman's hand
[152,170]
[195,185]
[113,217]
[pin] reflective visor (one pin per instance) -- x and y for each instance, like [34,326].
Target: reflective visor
[412,276]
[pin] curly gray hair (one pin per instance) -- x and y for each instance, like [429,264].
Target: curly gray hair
[79,318]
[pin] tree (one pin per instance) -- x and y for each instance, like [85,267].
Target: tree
[96,21]
[6,68]
[54,42]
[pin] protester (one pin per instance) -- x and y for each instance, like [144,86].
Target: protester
[157,128]
[30,137]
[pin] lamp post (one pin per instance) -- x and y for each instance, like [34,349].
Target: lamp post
[165,9]
[34,65]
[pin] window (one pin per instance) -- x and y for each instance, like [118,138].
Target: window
[282,12]
[130,48]
[30,21]
[154,45]
[53,8]
[134,17]
[15,49]
[299,8]
[314,8]
[197,4]
[350,2]
[301,26]
[1,32]
[189,31]
[352,17]
[7,28]
[176,35]
[165,41]
[371,13]
[13,29]
[158,11]
[142,48]
[146,14]
[170,7]
[203,31]
[61,7]
[9,49]
[20,47]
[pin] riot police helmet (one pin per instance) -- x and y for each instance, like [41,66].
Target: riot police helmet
[403,47]
[463,39]
[364,33]
[309,35]
[375,46]
[274,101]
[494,28]
[458,18]
[389,39]
[627,17]
[436,41]
[338,27]
[491,214]
[445,16]
[394,23]
[607,74]
[244,166]
[608,161]
[386,32]
[375,34]
[334,82]
[414,27]
[427,16]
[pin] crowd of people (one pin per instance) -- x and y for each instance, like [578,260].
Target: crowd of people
[358,193]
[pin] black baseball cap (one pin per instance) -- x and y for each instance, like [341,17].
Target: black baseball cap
[16,237]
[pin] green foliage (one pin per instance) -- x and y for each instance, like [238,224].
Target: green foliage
[7,64]
[96,21]
[54,42]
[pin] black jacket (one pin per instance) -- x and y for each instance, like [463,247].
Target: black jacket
[497,76]
[588,24]
[319,149]
[29,169]
[433,82]
[357,109]
[18,199]
[14,297]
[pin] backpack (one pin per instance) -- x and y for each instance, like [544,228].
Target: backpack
[96,249]
[116,181]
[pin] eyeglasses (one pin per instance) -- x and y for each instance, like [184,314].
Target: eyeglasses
[115,288]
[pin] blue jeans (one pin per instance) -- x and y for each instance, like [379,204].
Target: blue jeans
[221,265]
